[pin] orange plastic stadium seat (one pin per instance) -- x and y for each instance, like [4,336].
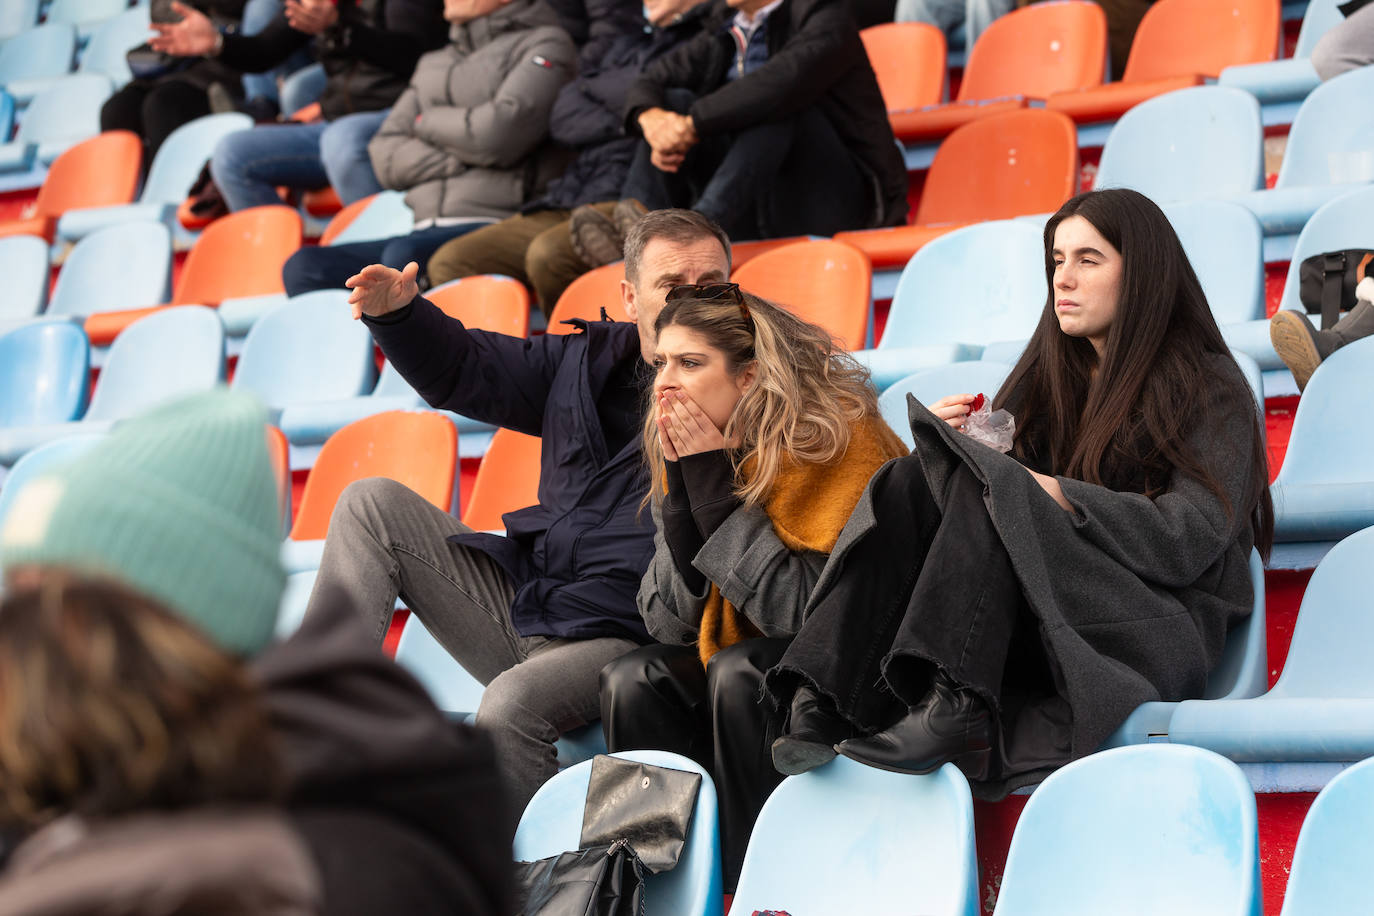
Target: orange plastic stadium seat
[1013,164]
[821,281]
[321,202]
[236,256]
[340,220]
[586,296]
[99,172]
[1030,53]
[743,252]
[909,60]
[279,452]
[416,448]
[1178,44]
[507,480]
[487,303]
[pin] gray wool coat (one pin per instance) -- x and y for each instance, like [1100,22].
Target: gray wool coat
[467,138]
[1134,595]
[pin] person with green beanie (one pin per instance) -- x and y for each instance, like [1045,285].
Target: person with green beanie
[171,751]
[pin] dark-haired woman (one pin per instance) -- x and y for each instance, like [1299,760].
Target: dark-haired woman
[1006,612]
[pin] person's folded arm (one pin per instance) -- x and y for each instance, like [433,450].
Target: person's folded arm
[400,159]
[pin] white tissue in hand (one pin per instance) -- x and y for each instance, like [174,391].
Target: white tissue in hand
[993,428]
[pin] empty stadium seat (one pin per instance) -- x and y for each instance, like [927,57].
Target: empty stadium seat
[1225,245]
[6,114]
[846,838]
[908,58]
[930,385]
[488,303]
[1029,53]
[306,351]
[588,296]
[40,461]
[1342,223]
[948,303]
[1329,153]
[24,265]
[1179,43]
[60,116]
[1011,164]
[84,15]
[175,168]
[825,282]
[99,172]
[381,216]
[16,16]
[1327,874]
[37,55]
[138,254]
[1242,672]
[1322,706]
[172,353]
[1281,85]
[44,373]
[417,448]
[1137,830]
[1201,142]
[552,824]
[237,256]
[111,42]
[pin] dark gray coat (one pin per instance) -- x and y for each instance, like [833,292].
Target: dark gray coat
[1134,595]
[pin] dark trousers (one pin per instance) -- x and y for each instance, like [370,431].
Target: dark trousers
[154,110]
[793,176]
[660,698]
[328,266]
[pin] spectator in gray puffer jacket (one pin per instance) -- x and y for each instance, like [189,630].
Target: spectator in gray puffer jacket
[467,139]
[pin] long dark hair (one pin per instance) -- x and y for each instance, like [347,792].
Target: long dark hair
[1124,421]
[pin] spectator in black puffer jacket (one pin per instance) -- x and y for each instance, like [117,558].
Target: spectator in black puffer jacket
[368,48]
[534,246]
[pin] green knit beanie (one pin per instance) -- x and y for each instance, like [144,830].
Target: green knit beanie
[181,504]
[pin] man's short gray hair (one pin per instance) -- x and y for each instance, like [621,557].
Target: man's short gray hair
[678,226]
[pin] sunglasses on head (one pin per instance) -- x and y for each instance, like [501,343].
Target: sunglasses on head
[708,292]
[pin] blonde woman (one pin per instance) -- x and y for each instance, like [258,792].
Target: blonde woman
[760,438]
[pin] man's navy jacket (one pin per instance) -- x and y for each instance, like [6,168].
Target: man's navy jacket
[577,557]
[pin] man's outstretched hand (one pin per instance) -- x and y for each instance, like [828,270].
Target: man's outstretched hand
[378,289]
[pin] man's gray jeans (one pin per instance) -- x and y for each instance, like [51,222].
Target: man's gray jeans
[385,540]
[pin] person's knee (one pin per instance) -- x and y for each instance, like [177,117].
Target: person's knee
[362,500]
[626,677]
[231,155]
[452,261]
[507,707]
[300,274]
[343,145]
[735,675]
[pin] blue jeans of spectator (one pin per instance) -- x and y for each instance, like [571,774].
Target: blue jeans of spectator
[793,176]
[248,166]
[256,15]
[948,15]
[328,266]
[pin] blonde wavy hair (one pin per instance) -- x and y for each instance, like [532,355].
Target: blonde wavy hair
[111,704]
[807,394]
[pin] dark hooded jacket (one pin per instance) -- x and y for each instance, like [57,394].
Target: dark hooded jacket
[368,55]
[576,558]
[815,57]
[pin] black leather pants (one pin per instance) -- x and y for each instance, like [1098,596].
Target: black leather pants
[659,698]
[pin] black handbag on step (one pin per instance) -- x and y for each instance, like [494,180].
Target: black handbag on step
[1326,282]
[600,881]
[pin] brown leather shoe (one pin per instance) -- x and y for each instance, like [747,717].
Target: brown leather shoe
[595,237]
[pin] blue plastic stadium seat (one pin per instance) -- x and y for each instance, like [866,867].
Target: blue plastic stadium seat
[1325,489]
[929,385]
[177,164]
[1327,875]
[60,116]
[39,461]
[1342,223]
[24,266]
[1322,707]
[85,15]
[139,254]
[1137,830]
[35,56]
[44,373]
[307,349]
[16,16]
[1225,244]
[111,42]
[172,352]
[1242,672]
[386,217]
[846,838]
[1281,85]
[6,114]
[1327,155]
[552,824]
[1183,145]
[949,304]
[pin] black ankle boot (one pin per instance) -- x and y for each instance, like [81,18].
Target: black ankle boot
[813,728]
[951,724]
